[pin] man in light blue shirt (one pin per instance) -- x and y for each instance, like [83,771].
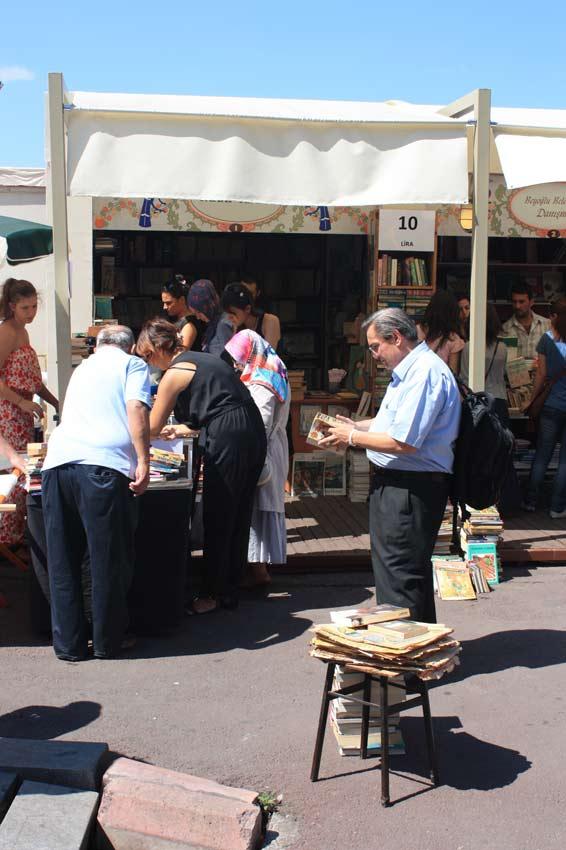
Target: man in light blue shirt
[97,460]
[410,444]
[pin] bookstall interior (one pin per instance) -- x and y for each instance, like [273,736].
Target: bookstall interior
[539,262]
[315,285]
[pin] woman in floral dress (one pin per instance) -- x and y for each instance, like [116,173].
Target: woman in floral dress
[20,379]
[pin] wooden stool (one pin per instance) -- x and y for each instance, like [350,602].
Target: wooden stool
[416,685]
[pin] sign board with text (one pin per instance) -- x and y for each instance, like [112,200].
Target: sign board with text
[406,230]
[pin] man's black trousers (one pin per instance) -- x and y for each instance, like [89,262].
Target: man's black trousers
[405,513]
[88,508]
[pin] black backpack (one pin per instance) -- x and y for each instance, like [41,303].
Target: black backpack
[483,452]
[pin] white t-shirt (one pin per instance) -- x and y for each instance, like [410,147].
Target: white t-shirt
[94,425]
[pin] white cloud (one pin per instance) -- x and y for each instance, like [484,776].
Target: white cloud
[10,73]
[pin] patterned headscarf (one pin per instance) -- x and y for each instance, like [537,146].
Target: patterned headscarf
[204,298]
[261,363]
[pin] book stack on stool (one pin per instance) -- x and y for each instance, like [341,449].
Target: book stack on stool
[387,649]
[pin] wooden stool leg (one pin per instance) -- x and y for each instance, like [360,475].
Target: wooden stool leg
[322,722]
[365,717]
[384,693]
[429,732]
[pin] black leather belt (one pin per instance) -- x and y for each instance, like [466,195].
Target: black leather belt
[400,475]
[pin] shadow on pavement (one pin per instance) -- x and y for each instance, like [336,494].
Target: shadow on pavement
[257,622]
[498,651]
[465,762]
[42,722]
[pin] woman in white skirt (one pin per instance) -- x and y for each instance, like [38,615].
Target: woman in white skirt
[265,376]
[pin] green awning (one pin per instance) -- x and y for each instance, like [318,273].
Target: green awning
[24,240]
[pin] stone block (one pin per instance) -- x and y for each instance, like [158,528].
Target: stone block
[150,808]
[48,817]
[8,786]
[75,764]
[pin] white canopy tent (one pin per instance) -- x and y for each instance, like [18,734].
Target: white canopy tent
[289,152]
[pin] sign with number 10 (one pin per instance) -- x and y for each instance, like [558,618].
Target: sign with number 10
[406,230]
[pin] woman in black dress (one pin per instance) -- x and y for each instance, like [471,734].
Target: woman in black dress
[174,299]
[207,395]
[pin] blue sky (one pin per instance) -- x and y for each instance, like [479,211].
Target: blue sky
[424,53]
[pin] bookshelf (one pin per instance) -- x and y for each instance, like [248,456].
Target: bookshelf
[539,262]
[404,278]
[314,283]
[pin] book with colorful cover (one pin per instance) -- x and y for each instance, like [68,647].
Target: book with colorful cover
[485,556]
[453,580]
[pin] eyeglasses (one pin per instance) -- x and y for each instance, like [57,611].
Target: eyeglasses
[374,347]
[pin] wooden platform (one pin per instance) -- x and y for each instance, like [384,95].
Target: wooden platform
[333,532]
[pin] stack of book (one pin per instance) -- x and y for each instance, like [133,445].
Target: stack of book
[443,545]
[458,579]
[163,465]
[346,717]
[416,303]
[79,349]
[389,647]
[390,297]
[479,537]
[34,464]
[524,454]
[297,383]
[382,381]
[358,476]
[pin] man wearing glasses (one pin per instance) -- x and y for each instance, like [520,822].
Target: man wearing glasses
[410,447]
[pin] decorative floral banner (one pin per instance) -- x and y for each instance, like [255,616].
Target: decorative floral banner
[536,211]
[231,217]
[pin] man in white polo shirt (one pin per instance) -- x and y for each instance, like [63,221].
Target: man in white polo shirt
[97,461]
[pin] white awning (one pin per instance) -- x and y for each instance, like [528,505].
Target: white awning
[22,177]
[531,144]
[286,152]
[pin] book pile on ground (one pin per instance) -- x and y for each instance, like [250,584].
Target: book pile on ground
[345,717]
[479,537]
[163,465]
[297,383]
[455,578]
[36,453]
[443,545]
[424,649]
[452,579]
[358,476]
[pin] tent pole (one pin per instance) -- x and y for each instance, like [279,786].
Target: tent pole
[478,102]
[58,288]
[480,234]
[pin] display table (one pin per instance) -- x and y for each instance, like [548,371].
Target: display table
[157,594]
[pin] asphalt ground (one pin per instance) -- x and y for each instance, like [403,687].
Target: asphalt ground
[234,696]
